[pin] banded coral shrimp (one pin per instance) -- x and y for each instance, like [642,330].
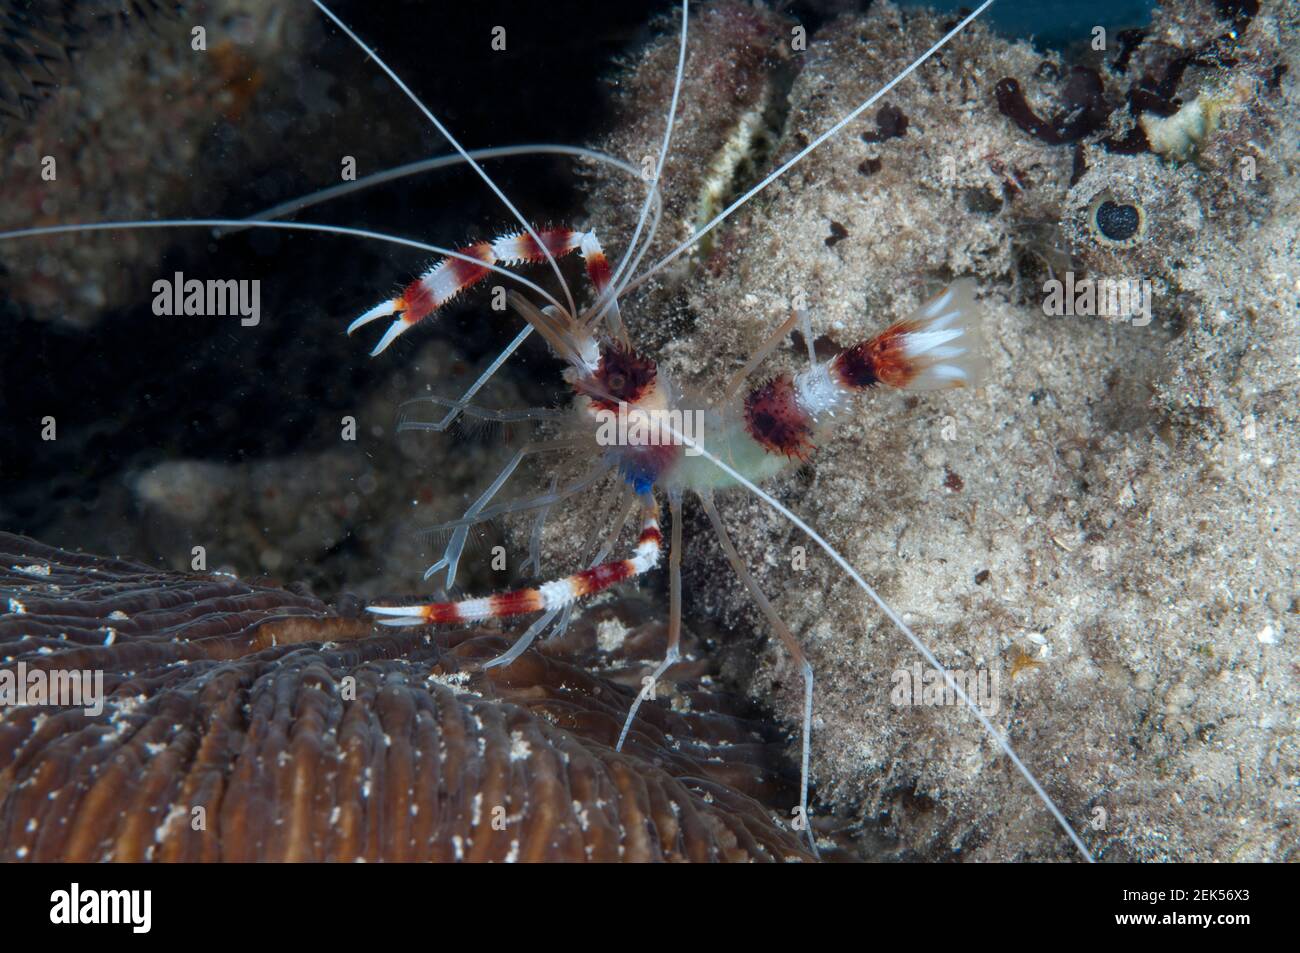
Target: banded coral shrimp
[773,425]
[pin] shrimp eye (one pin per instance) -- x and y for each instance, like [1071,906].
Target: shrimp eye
[1115,223]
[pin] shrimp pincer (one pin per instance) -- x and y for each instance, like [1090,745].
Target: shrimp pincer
[744,437]
[772,426]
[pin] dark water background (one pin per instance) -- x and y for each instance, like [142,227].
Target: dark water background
[136,389]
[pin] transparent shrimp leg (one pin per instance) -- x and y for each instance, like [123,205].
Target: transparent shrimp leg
[534,561]
[732,389]
[805,328]
[483,414]
[536,629]
[456,545]
[598,271]
[673,655]
[792,646]
[524,505]
[521,644]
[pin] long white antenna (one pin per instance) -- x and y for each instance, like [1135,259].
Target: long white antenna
[441,162]
[232,223]
[802,153]
[615,285]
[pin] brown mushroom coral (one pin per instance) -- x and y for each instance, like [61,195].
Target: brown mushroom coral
[245,722]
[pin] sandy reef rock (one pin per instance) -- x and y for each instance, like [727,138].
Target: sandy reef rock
[1108,527]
